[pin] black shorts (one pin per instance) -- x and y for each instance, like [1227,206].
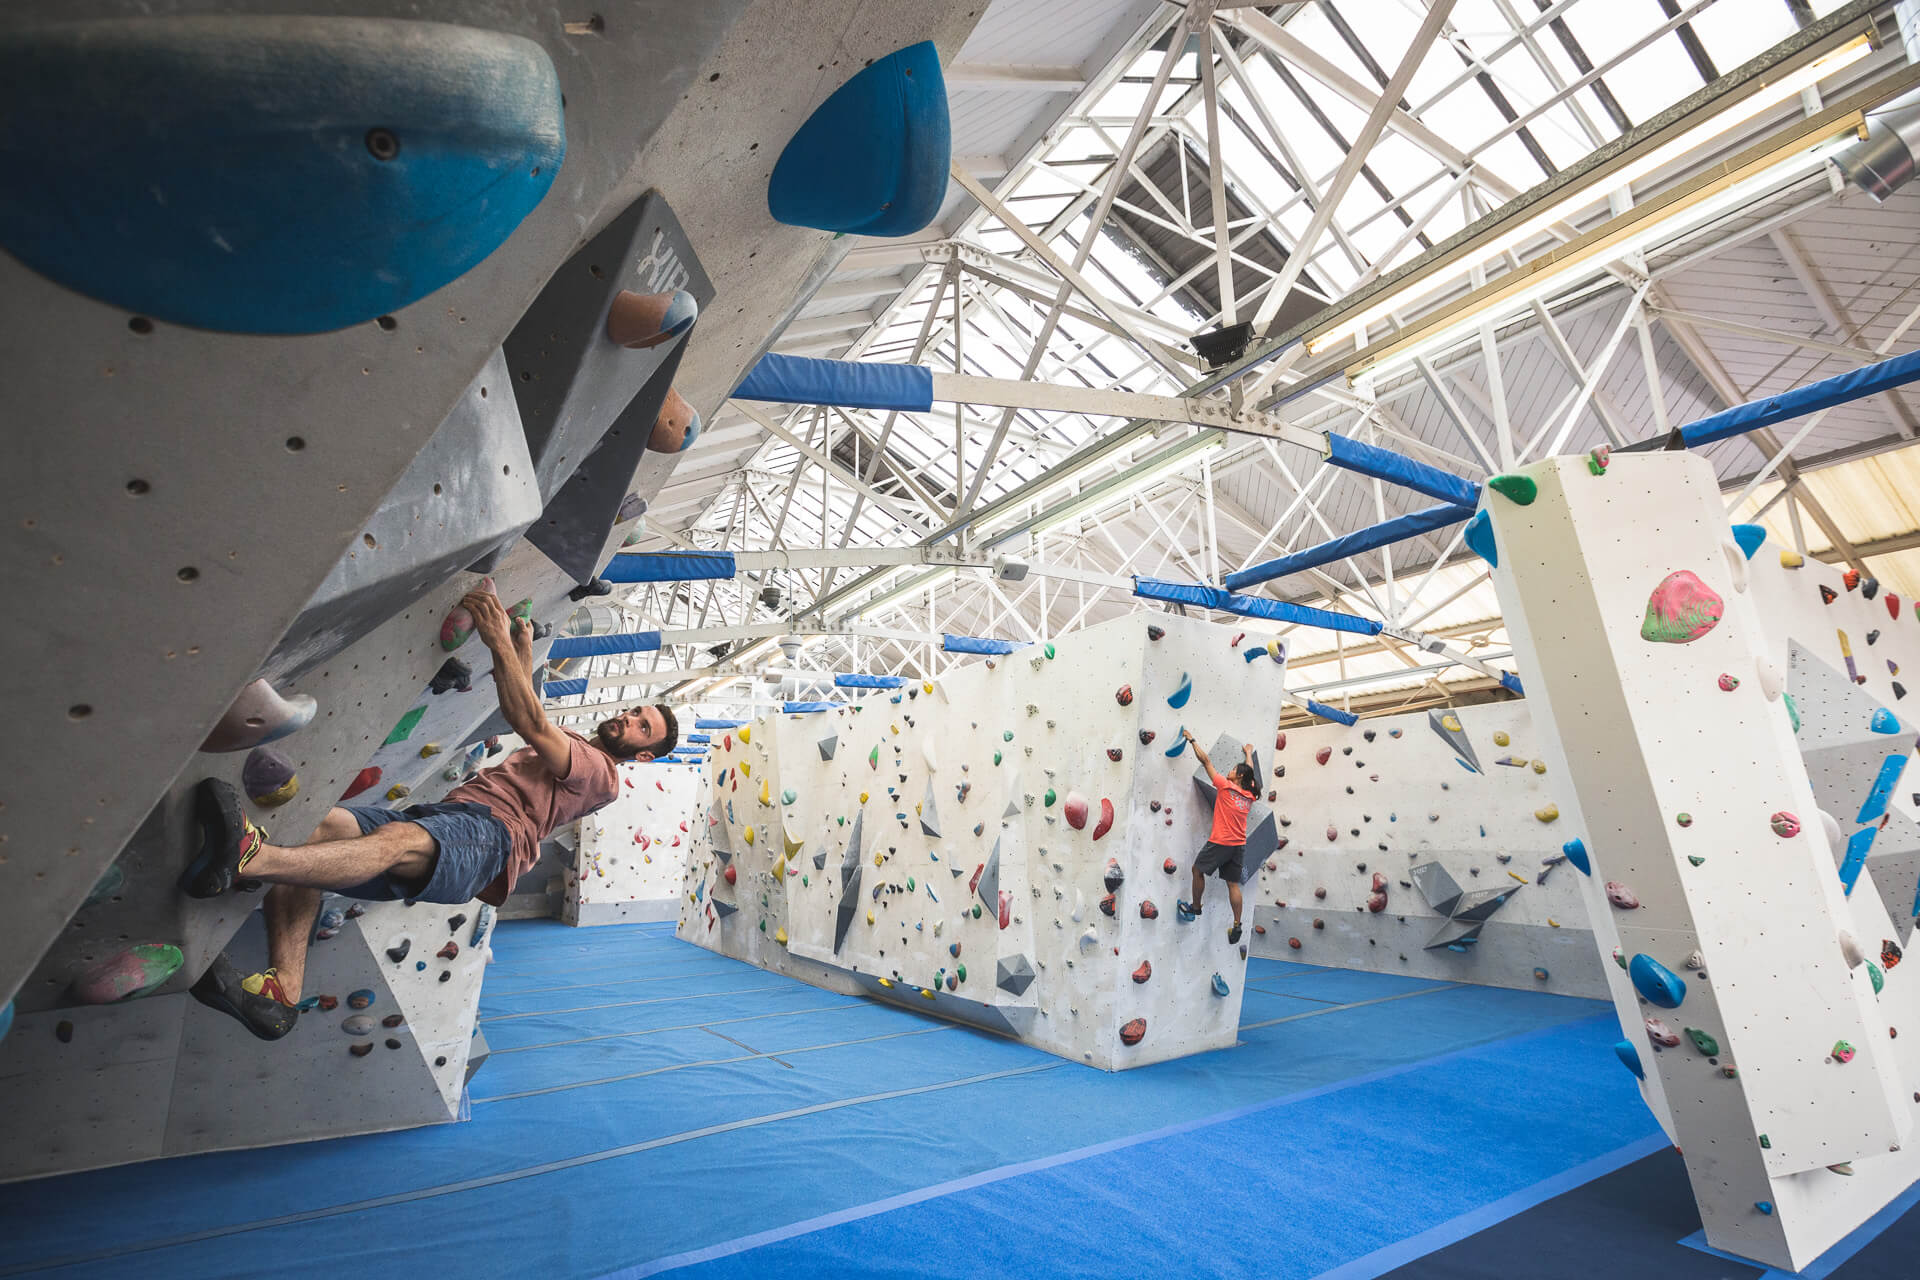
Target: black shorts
[1221,858]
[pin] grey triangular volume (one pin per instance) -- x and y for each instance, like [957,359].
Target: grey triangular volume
[843,914]
[1437,886]
[990,881]
[1226,753]
[929,815]
[850,860]
[1263,841]
[1015,975]
[1455,738]
[717,826]
[828,745]
[820,860]
[724,909]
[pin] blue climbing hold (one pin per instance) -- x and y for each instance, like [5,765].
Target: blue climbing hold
[1858,846]
[1178,698]
[1659,984]
[286,174]
[1576,851]
[1764,1206]
[872,159]
[361,999]
[1479,538]
[6,1019]
[1630,1058]
[1179,743]
[1884,721]
[1882,791]
[1749,536]
[1220,987]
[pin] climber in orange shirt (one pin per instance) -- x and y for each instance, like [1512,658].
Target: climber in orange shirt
[1232,798]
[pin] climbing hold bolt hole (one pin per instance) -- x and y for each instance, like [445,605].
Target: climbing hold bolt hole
[598,274]
[483,393]
[506,470]
[187,574]
[138,488]
[388,323]
[368,539]
[140,324]
[713,77]
[436,491]
[526,375]
[295,444]
[382,144]
[79,711]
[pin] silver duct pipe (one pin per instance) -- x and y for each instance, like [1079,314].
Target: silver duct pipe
[1886,159]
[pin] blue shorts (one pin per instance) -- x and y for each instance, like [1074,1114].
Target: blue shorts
[473,848]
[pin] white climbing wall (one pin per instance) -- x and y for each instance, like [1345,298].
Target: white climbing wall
[1689,790]
[631,854]
[1392,796]
[924,784]
[164,1076]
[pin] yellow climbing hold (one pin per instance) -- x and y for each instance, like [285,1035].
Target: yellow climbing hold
[780,868]
[780,935]
[792,841]
[895,728]
[399,791]
[430,749]
[870,921]
[929,995]
[766,796]
[1451,723]
[1791,560]
[885,982]
[746,733]
[1539,766]
[879,858]
[746,770]
[1500,738]
[749,835]
[863,797]
[1553,922]
[926,686]
[1547,814]
[1517,876]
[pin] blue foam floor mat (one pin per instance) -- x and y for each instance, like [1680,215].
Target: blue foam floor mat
[650,1103]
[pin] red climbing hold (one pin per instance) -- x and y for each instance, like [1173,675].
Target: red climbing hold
[1124,695]
[974,883]
[1006,908]
[1893,606]
[1113,754]
[1323,755]
[730,875]
[1294,943]
[1320,892]
[1279,742]
[1115,876]
[1827,594]
[1075,810]
[1144,972]
[1333,833]
[1146,737]
[1147,910]
[1107,905]
[1238,637]
[1134,1032]
[1154,633]
[1105,824]
[1169,866]
[1376,902]
[367,777]
[449,951]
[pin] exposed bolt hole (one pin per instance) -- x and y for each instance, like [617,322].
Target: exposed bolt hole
[382,144]
[436,491]
[79,711]
[296,443]
[140,324]
[598,274]
[138,488]
[187,574]
[368,539]
[483,393]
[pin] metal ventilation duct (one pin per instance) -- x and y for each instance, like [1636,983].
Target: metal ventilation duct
[1884,162]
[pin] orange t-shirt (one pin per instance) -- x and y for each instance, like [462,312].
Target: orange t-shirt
[1230,805]
[533,804]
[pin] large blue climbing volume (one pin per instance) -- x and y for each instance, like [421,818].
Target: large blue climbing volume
[266,174]
[872,159]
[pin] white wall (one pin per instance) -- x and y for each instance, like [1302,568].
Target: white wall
[631,854]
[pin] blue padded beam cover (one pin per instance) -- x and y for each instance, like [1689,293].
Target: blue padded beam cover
[802,708]
[858,680]
[564,688]
[720,724]
[979,644]
[600,646]
[872,159]
[1856,384]
[669,566]
[1198,593]
[270,174]
[1334,714]
[1397,529]
[1384,464]
[851,384]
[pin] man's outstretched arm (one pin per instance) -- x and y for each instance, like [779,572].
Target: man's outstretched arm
[1198,753]
[511,643]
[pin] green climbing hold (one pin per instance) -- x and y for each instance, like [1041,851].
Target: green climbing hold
[1518,489]
[1681,609]
[789,796]
[1695,859]
[1793,711]
[976,911]
[405,726]
[960,972]
[1050,797]
[1007,736]
[1049,651]
[1879,979]
[996,757]
[128,975]
[909,884]
[1703,1042]
[1764,1144]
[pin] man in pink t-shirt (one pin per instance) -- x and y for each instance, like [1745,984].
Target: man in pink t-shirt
[475,843]
[1227,839]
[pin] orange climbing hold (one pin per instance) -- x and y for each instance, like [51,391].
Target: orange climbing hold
[1144,972]
[1134,1032]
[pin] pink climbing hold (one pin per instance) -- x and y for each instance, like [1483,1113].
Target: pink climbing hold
[1785,825]
[1333,833]
[1006,908]
[1323,755]
[1728,683]
[131,973]
[1075,810]
[1681,610]
[1144,972]
[1105,824]
[1660,1033]
[1279,742]
[1621,896]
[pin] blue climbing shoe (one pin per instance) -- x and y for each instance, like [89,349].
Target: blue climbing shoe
[1185,910]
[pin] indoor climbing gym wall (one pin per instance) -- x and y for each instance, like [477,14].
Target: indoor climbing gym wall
[1005,847]
[1427,844]
[631,854]
[387,1041]
[1729,720]
[456,339]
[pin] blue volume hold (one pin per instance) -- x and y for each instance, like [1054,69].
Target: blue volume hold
[1630,1058]
[1857,850]
[1884,721]
[1576,851]
[269,174]
[1883,784]
[1749,536]
[1479,538]
[1178,698]
[1659,984]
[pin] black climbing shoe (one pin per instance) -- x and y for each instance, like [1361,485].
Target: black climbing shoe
[221,987]
[592,587]
[228,841]
[1233,934]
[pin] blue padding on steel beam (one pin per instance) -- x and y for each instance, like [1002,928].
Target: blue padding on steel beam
[804,708]
[601,646]
[872,159]
[669,566]
[699,737]
[851,384]
[720,724]
[1334,714]
[1384,464]
[857,680]
[1199,593]
[1508,680]
[1855,384]
[980,644]
[283,174]
[564,688]
[1397,529]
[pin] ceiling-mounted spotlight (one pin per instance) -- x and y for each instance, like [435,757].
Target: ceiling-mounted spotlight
[789,645]
[1009,568]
